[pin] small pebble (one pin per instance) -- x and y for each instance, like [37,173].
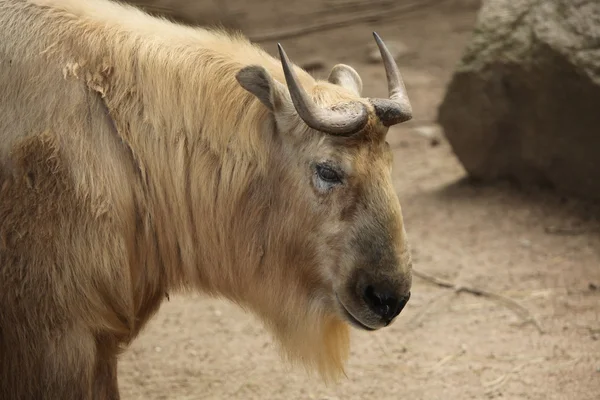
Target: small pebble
[433,133]
[157,349]
[525,242]
[397,48]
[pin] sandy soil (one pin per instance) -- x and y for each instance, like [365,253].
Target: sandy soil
[445,345]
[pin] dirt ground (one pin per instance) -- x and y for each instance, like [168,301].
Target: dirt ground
[537,248]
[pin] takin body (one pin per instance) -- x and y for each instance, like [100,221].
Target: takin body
[139,157]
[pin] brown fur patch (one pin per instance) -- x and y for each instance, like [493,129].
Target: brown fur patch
[49,307]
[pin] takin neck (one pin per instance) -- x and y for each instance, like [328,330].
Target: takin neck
[205,150]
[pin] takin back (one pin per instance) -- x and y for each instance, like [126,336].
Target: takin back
[139,157]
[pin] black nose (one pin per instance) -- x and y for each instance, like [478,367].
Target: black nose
[384,302]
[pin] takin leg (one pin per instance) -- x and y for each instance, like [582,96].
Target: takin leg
[54,365]
[105,386]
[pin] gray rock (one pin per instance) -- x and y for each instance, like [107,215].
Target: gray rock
[524,102]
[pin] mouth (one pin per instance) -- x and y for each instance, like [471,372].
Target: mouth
[352,319]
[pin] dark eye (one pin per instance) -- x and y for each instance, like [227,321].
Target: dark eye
[328,174]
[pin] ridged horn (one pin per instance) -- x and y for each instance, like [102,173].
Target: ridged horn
[344,122]
[397,108]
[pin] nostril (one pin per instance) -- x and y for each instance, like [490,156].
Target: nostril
[384,302]
[372,298]
[376,298]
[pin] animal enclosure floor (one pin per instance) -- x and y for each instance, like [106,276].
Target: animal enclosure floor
[532,247]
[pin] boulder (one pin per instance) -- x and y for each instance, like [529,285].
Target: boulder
[524,102]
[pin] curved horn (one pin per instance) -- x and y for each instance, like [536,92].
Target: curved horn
[397,109]
[344,122]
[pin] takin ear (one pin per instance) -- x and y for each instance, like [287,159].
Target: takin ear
[346,77]
[256,80]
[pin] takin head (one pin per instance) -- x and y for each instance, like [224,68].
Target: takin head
[345,168]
